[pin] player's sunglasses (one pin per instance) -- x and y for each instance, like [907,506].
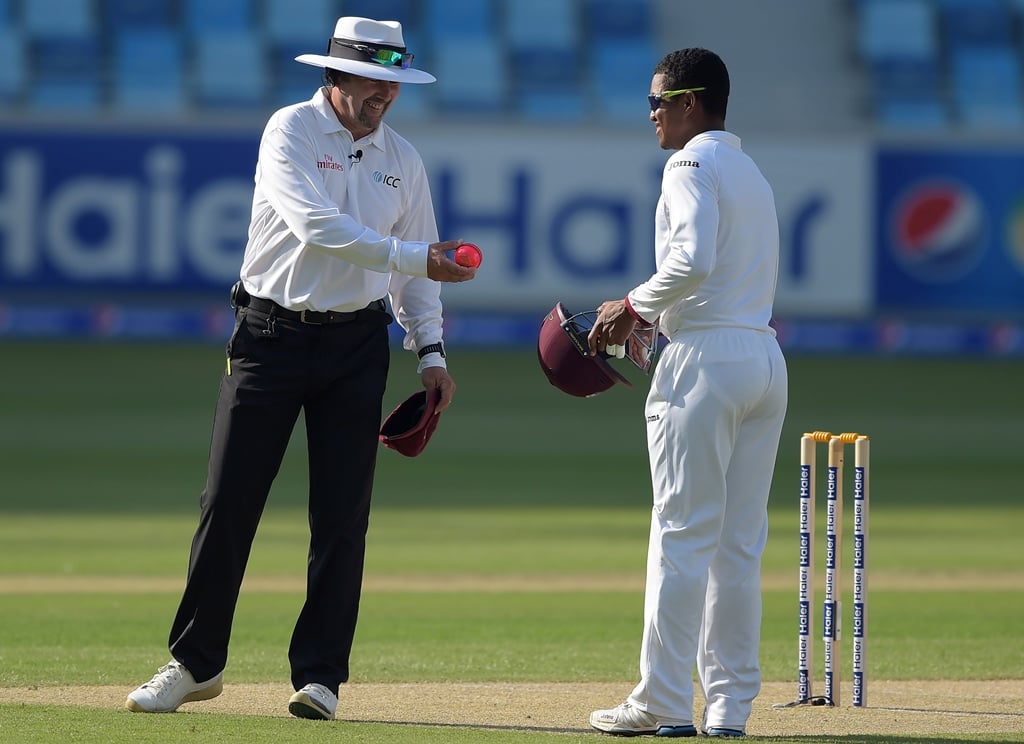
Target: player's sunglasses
[386,57]
[657,100]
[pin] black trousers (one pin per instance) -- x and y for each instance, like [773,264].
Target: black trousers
[336,375]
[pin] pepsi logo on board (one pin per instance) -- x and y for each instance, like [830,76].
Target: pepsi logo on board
[938,231]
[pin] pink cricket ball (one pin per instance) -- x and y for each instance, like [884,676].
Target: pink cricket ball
[469,255]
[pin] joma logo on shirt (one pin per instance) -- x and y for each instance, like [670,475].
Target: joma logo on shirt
[387,180]
[328,163]
[684,163]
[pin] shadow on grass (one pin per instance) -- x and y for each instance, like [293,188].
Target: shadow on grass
[876,739]
[992,713]
[485,727]
[815,738]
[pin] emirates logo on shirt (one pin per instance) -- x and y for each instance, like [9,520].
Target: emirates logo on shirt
[329,163]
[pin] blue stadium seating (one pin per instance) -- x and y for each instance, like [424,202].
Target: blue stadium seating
[13,67]
[899,42]
[984,62]
[928,63]
[902,29]
[472,77]
[72,78]
[976,23]
[149,72]
[548,83]
[403,11]
[546,68]
[205,16]
[621,53]
[307,21]
[58,18]
[544,23]
[490,57]
[69,80]
[543,42]
[456,20]
[612,20]
[230,70]
[561,107]
[908,93]
[986,84]
[119,14]
[621,78]
[292,81]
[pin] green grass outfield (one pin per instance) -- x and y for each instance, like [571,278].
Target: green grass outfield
[511,551]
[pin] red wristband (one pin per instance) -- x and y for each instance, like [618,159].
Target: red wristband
[643,323]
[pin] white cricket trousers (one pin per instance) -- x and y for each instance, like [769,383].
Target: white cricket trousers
[714,418]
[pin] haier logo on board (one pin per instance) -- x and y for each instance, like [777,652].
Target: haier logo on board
[938,231]
[150,222]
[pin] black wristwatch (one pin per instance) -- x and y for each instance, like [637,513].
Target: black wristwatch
[430,348]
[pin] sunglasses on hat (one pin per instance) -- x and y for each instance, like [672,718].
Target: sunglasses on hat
[380,55]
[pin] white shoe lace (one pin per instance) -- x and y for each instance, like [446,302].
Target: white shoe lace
[630,715]
[165,678]
[622,710]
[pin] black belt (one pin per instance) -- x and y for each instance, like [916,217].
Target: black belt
[312,317]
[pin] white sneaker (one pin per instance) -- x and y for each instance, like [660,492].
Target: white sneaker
[628,720]
[313,701]
[171,686]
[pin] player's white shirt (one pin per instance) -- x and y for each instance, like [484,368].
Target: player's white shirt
[332,232]
[717,241]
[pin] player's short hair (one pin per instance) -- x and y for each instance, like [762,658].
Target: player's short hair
[698,68]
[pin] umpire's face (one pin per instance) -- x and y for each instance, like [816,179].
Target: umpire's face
[362,102]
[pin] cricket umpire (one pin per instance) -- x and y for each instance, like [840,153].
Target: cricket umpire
[342,220]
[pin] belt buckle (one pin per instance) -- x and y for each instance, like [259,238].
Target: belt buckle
[302,318]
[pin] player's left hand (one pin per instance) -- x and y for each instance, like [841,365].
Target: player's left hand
[611,329]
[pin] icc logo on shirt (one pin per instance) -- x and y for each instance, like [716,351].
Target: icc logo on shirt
[387,180]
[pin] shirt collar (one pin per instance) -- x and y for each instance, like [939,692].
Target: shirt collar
[329,122]
[715,135]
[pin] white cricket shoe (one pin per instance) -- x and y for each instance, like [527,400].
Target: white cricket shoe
[628,720]
[313,701]
[171,686]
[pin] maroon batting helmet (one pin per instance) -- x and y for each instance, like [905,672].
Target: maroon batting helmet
[564,353]
[565,356]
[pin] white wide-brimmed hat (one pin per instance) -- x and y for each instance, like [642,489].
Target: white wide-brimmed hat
[372,49]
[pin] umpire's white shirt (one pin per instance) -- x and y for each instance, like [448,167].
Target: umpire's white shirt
[334,232]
